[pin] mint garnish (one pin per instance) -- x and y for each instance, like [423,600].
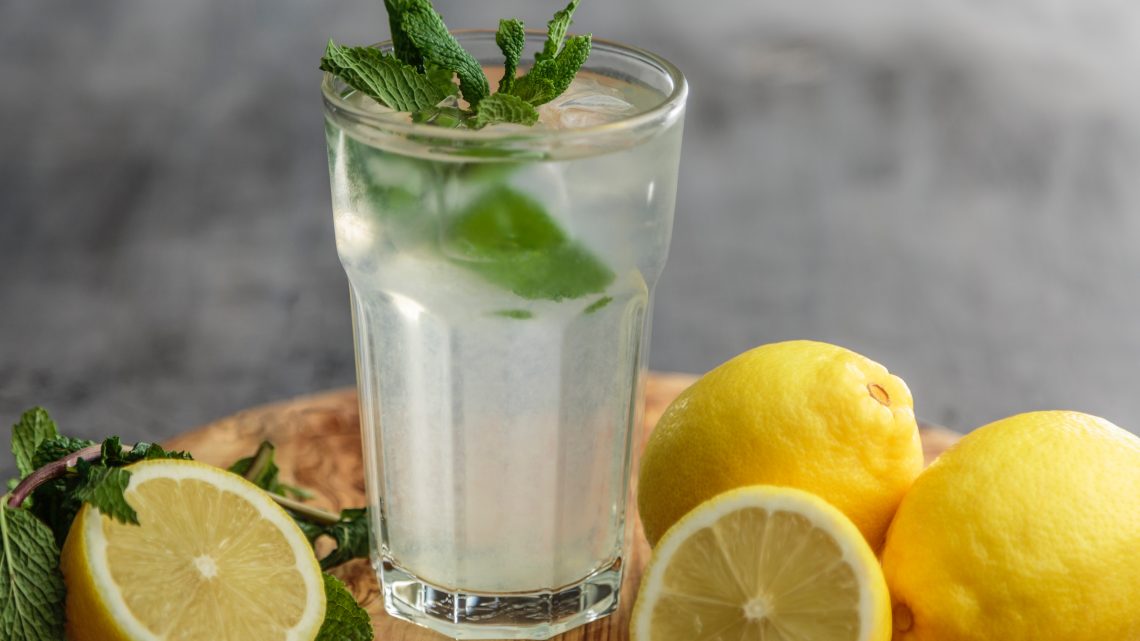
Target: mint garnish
[419,74]
[382,77]
[503,107]
[511,38]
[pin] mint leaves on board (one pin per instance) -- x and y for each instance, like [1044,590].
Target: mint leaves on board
[58,474]
[345,620]
[31,585]
[418,75]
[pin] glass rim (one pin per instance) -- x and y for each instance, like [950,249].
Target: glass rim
[663,111]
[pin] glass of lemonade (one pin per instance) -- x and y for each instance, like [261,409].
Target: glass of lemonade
[501,283]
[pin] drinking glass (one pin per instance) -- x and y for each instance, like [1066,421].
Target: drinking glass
[501,286]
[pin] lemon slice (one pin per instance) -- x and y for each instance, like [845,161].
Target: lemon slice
[212,559]
[763,563]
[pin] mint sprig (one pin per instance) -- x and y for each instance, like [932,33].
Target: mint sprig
[418,75]
[58,474]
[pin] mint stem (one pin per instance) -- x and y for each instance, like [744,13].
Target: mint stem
[50,472]
[309,513]
[260,461]
[56,469]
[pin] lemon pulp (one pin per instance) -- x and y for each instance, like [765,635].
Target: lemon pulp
[763,564]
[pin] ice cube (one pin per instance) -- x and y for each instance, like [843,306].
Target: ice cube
[585,103]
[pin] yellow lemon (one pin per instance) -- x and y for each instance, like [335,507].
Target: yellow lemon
[763,562]
[797,414]
[213,558]
[1027,530]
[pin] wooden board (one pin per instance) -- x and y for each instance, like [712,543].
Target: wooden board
[318,447]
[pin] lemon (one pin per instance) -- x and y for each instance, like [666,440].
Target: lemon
[213,558]
[763,563]
[1027,530]
[798,414]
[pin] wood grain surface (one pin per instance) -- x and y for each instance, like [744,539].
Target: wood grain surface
[318,447]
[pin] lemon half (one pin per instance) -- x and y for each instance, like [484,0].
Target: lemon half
[763,563]
[213,558]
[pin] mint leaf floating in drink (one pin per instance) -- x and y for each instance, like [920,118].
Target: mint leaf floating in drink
[508,239]
[31,585]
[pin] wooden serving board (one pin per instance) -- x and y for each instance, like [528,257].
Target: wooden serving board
[318,448]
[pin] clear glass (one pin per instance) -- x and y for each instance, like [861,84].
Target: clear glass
[501,284]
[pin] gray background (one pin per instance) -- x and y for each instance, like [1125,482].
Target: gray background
[950,189]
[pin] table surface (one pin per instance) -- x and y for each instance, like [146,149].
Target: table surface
[941,186]
[318,447]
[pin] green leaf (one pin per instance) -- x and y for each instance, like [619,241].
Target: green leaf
[31,585]
[443,79]
[511,38]
[266,472]
[56,448]
[536,88]
[503,107]
[345,619]
[508,239]
[427,31]
[382,77]
[352,538]
[55,504]
[556,32]
[104,488]
[402,45]
[34,427]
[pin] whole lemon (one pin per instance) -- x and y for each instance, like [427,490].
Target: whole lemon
[1027,530]
[799,414]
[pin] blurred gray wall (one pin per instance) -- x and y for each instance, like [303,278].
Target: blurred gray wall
[950,188]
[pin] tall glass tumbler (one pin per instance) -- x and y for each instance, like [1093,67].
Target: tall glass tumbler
[501,284]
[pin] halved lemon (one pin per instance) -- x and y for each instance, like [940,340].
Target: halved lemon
[213,558]
[763,563]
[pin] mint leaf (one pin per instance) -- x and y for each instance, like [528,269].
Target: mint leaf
[443,79]
[31,585]
[54,449]
[508,239]
[401,43]
[352,538]
[556,32]
[427,31]
[511,38]
[34,427]
[103,488]
[383,77]
[503,107]
[261,470]
[345,619]
[549,77]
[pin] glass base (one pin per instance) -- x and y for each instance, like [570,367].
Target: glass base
[537,615]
